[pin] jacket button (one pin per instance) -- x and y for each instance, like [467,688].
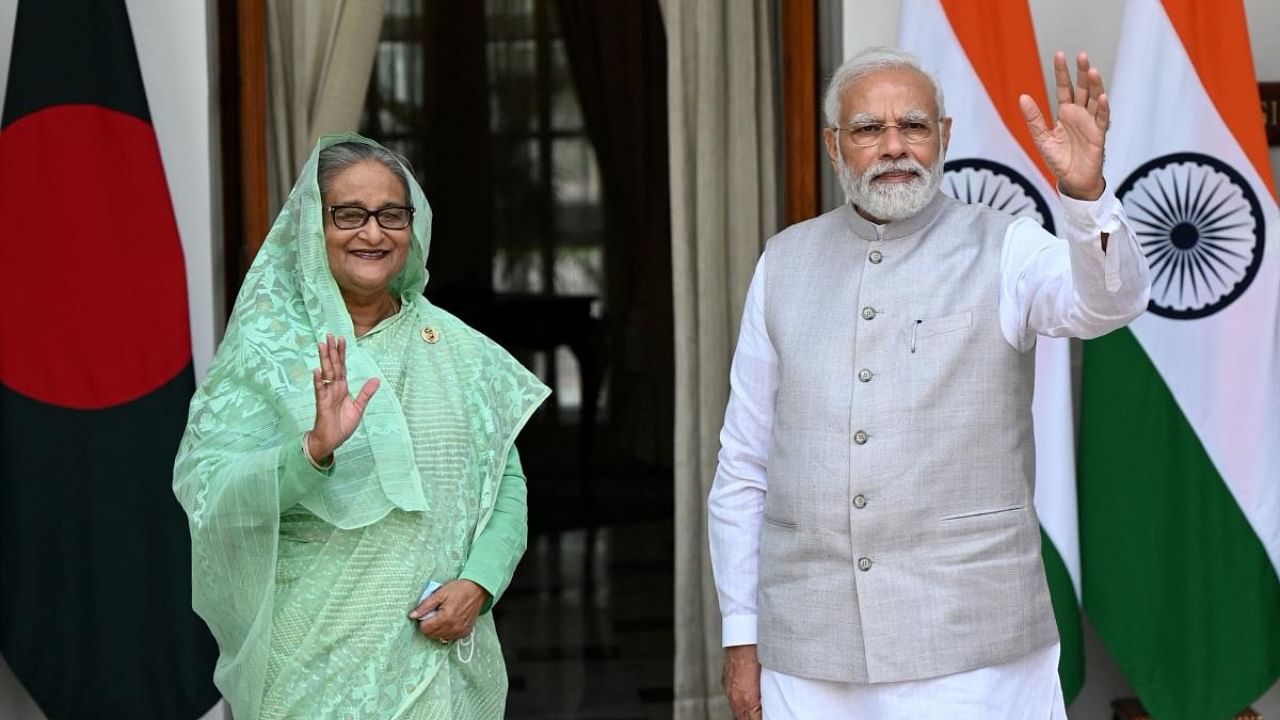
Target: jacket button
[864,375]
[868,313]
[860,437]
[859,501]
[875,257]
[864,564]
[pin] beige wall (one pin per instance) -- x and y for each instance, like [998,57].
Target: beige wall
[1091,25]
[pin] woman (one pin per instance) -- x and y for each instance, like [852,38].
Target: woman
[318,519]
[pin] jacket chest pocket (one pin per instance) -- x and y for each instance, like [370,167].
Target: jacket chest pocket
[921,330]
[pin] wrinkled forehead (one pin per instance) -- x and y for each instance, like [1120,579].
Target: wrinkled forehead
[890,95]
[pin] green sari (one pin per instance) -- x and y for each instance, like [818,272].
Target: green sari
[305,577]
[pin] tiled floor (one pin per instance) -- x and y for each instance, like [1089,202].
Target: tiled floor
[587,626]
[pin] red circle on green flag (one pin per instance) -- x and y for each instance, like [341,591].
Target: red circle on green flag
[93,304]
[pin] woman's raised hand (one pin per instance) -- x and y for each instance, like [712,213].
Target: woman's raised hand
[337,413]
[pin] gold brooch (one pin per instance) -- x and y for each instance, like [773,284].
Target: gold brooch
[430,335]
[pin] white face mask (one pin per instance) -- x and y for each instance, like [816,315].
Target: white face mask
[891,202]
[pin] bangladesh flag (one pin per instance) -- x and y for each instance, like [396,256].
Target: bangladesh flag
[95,377]
[1180,417]
[984,55]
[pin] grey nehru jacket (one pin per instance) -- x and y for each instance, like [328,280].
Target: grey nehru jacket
[900,541]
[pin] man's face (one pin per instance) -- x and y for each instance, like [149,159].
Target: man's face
[893,178]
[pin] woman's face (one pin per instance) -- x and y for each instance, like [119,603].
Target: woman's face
[364,260]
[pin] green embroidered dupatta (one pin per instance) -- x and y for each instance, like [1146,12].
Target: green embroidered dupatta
[244,431]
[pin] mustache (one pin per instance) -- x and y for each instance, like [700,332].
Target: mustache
[891,201]
[898,165]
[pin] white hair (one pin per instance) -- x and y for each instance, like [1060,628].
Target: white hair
[340,156]
[870,60]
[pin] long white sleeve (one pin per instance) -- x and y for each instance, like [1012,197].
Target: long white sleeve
[1070,287]
[736,503]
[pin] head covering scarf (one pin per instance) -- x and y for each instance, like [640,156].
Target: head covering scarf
[258,398]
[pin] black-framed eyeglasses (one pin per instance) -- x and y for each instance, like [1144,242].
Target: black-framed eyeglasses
[391,217]
[868,134]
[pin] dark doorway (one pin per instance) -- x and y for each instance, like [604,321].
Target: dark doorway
[538,131]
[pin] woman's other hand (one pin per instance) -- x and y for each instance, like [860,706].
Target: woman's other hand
[337,413]
[457,605]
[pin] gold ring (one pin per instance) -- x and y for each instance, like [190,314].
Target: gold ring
[326,381]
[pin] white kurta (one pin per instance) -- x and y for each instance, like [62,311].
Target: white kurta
[1042,280]
[1022,689]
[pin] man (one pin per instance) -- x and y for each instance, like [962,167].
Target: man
[873,532]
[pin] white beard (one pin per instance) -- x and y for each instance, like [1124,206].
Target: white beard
[890,202]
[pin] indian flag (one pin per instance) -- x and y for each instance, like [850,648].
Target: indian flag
[1180,421]
[984,55]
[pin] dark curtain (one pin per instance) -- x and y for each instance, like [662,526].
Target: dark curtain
[617,55]
[442,127]
[457,175]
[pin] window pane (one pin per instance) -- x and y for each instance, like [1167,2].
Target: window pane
[517,272]
[401,8]
[518,197]
[513,99]
[509,19]
[399,67]
[566,113]
[579,214]
[517,189]
[579,270]
[568,382]
[403,20]
[540,215]
[578,217]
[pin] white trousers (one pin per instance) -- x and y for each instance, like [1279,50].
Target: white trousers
[1023,689]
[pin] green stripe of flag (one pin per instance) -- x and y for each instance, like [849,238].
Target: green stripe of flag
[1175,579]
[1066,609]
